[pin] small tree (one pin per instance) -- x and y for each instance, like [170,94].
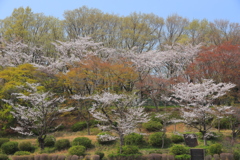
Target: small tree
[118,112]
[37,116]
[197,100]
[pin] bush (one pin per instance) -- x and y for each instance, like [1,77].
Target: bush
[105,140]
[9,147]
[26,146]
[133,139]
[152,126]
[77,150]
[177,138]
[84,141]
[3,157]
[224,123]
[215,149]
[101,154]
[62,144]
[155,139]
[3,140]
[236,154]
[93,122]
[183,157]
[60,128]
[178,149]
[78,126]
[130,150]
[49,141]
[20,153]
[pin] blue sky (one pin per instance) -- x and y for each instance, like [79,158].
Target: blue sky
[191,9]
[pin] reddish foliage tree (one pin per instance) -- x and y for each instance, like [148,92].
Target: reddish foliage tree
[220,63]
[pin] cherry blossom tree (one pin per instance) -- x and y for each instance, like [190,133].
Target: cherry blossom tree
[38,114]
[197,101]
[119,113]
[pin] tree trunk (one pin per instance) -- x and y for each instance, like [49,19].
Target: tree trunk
[163,139]
[204,137]
[88,127]
[121,143]
[218,125]
[155,103]
[41,141]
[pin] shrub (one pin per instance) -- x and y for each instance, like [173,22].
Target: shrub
[49,141]
[93,122]
[156,151]
[78,126]
[84,141]
[20,153]
[178,149]
[224,123]
[101,154]
[3,140]
[152,126]
[155,139]
[60,128]
[104,138]
[215,149]
[130,150]
[3,157]
[62,144]
[183,157]
[9,147]
[133,139]
[77,150]
[177,138]
[236,154]
[26,146]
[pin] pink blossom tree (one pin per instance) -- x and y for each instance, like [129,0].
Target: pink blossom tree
[197,101]
[37,113]
[119,113]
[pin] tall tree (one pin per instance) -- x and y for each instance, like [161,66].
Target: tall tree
[198,32]
[174,28]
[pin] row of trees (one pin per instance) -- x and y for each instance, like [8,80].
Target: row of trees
[144,31]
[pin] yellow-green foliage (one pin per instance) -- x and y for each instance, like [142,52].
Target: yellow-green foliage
[15,76]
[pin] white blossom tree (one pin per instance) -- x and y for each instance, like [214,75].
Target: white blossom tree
[15,53]
[119,113]
[38,112]
[197,101]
